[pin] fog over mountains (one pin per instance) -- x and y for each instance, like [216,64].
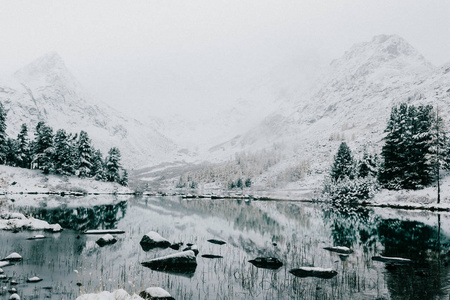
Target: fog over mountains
[305,117]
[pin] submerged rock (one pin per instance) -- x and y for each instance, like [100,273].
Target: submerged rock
[217,241]
[313,272]
[156,293]
[107,239]
[2,276]
[396,260]
[13,257]
[12,290]
[182,262]
[34,279]
[266,262]
[339,249]
[193,248]
[37,237]
[153,240]
[211,256]
[176,246]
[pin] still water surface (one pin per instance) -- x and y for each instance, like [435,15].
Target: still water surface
[71,263]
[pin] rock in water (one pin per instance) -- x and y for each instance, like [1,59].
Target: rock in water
[217,241]
[34,279]
[313,272]
[13,257]
[1,271]
[36,237]
[182,262]
[14,297]
[266,262]
[193,248]
[176,246]
[339,249]
[107,239]
[211,256]
[153,240]
[156,293]
[392,260]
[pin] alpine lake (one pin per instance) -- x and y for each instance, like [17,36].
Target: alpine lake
[71,263]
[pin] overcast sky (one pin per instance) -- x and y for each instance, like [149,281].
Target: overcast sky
[154,54]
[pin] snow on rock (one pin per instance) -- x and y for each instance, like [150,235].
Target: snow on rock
[14,297]
[1,271]
[266,262]
[104,231]
[107,239]
[4,263]
[13,221]
[13,257]
[217,241]
[153,240]
[178,262]
[387,259]
[37,237]
[193,248]
[155,293]
[116,295]
[339,249]
[34,279]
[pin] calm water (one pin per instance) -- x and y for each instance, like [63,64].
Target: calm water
[71,263]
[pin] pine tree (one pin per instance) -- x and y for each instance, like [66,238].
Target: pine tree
[11,152]
[98,167]
[84,165]
[367,166]
[43,148]
[113,165]
[343,163]
[3,135]
[63,157]
[23,147]
[124,178]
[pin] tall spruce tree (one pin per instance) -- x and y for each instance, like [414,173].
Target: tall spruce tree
[98,166]
[63,157]
[113,165]
[43,149]
[11,152]
[84,165]
[343,163]
[3,135]
[23,147]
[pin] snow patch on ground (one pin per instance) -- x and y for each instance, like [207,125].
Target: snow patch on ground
[12,221]
[116,295]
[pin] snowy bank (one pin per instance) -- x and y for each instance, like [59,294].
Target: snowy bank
[14,180]
[117,294]
[14,221]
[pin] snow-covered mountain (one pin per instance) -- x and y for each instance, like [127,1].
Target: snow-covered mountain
[351,102]
[46,91]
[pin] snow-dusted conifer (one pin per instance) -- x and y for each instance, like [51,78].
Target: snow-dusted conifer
[23,147]
[63,159]
[124,178]
[84,155]
[343,163]
[11,152]
[98,168]
[3,135]
[113,165]
[43,148]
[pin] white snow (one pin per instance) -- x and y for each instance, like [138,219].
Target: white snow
[13,256]
[1,271]
[185,254]
[157,292]
[14,297]
[34,279]
[156,236]
[10,221]
[107,237]
[116,295]
[4,263]
[103,231]
[316,269]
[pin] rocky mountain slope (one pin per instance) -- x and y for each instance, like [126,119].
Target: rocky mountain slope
[352,102]
[46,91]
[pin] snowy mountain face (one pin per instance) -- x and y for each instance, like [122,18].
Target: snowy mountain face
[46,91]
[352,102]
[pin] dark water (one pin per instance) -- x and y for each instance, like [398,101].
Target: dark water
[300,231]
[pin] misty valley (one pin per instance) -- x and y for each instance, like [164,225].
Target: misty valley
[228,234]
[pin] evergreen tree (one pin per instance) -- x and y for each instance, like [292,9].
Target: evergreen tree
[43,148]
[11,152]
[343,163]
[3,135]
[367,166]
[98,167]
[63,157]
[113,165]
[84,165]
[248,182]
[23,148]
[124,178]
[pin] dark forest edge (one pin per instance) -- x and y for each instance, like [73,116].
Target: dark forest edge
[415,151]
[62,153]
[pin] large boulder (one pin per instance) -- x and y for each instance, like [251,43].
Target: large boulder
[153,240]
[156,293]
[13,257]
[179,263]
[266,262]
[217,241]
[339,249]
